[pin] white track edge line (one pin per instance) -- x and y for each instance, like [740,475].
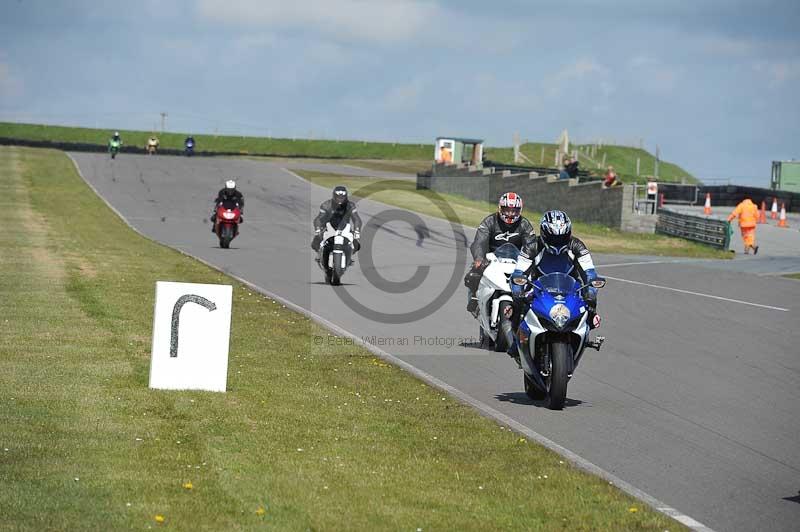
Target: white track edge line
[481,407]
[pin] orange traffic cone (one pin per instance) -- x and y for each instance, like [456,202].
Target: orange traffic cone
[707,208]
[774,211]
[762,214]
[782,221]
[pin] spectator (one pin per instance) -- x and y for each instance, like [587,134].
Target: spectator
[564,173]
[572,168]
[747,212]
[611,178]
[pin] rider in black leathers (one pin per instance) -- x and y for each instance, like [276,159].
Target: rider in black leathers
[339,211]
[507,225]
[228,194]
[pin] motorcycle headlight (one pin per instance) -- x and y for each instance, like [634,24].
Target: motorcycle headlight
[560,315]
[228,215]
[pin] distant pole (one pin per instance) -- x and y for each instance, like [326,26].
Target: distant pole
[163,121]
[516,147]
[638,162]
[658,155]
[604,160]
[541,158]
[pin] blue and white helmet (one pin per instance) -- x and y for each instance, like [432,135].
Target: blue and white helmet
[556,231]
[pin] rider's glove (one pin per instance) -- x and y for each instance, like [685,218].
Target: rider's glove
[356,235]
[315,243]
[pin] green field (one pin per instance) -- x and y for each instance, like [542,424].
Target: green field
[390,154]
[598,238]
[347,149]
[306,438]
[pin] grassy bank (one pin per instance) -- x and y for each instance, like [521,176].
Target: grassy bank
[598,238]
[622,158]
[306,437]
[421,155]
[349,149]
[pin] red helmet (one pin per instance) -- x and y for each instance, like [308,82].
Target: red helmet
[509,208]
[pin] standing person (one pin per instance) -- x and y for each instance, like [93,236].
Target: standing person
[506,225]
[747,212]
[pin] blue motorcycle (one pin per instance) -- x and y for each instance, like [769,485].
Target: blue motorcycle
[553,335]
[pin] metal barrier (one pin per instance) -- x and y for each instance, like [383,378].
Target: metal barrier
[708,231]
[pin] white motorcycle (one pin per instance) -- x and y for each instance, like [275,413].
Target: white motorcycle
[335,253]
[495,304]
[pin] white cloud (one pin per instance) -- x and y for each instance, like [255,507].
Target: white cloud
[779,72]
[581,69]
[727,46]
[583,73]
[654,75]
[380,22]
[10,84]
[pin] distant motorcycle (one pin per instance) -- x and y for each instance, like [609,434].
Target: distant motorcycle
[335,253]
[152,146]
[188,148]
[113,147]
[553,335]
[495,304]
[226,227]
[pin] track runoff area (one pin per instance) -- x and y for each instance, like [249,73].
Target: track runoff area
[690,405]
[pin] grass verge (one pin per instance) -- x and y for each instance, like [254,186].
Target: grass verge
[598,238]
[305,438]
[793,276]
[348,149]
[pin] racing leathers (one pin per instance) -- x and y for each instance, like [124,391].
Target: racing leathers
[537,259]
[493,233]
[338,216]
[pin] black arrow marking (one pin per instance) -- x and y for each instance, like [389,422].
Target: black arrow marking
[176,316]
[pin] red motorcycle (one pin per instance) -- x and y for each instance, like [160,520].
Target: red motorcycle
[226,226]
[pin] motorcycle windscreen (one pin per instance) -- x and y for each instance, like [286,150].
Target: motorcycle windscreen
[557,284]
[507,251]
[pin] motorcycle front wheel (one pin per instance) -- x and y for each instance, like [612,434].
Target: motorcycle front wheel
[557,380]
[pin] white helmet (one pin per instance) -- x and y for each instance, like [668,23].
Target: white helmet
[230,184]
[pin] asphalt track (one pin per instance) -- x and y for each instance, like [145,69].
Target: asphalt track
[693,399]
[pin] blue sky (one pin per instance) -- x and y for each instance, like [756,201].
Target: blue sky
[714,83]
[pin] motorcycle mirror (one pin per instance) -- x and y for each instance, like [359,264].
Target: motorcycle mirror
[599,282]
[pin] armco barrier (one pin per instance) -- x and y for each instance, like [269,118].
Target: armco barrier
[708,231]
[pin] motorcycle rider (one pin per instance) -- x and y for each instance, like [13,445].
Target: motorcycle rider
[338,210]
[506,225]
[115,139]
[229,193]
[152,144]
[556,250]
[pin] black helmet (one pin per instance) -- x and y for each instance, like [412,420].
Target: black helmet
[339,196]
[556,231]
